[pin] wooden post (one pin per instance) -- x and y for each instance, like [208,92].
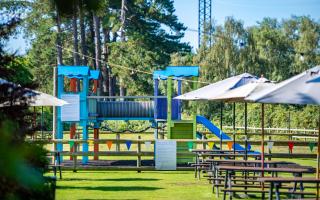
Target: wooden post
[203,143]
[269,158]
[262,146]
[318,154]
[234,128]
[262,138]
[246,129]
[96,144]
[73,88]
[221,123]
[75,145]
[118,143]
[139,152]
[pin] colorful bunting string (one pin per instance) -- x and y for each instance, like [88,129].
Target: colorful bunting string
[312,145]
[190,145]
[71,143]
[230,144]
[128,144]
[249,146]
[109,144]
[211,144]
[90,142]
[290,144]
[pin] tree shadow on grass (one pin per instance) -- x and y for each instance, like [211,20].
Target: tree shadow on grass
[111,188]
[108,199]
[112,179]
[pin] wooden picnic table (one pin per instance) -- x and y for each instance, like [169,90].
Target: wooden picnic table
[199,152]
[212,155]
[232,169]
[214,150]
[248,161]
[275,182]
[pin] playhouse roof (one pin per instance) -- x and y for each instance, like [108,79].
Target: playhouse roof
[176,71]
[94,74]
[73,71]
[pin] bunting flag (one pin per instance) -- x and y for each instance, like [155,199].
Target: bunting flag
[128,144]
[270,145]
[190,145]
[148,145]
[211,144]
[230,144]
[312,145]
[249,146]
[290,144]
[71,143]
[90,142]
[109,144]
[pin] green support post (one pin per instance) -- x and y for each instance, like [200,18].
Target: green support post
[169,106]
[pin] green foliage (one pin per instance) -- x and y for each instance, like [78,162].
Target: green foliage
[272,49]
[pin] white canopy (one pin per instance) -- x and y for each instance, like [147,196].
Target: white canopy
[43,99]
[213,90]
[35,98]
[296,90]
[240,93]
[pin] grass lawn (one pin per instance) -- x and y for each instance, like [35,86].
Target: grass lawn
[130,185]
[126,185]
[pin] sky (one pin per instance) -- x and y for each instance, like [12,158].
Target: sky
[249,11]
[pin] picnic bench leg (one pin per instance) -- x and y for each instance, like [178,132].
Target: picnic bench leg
[277,192]
[216,181]
[271,191]
[317,194]
[59,163]
[230,184]
[225,184]
[195,166]
[54,171]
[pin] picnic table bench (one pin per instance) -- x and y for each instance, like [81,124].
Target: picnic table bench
[276,183]
[55,164]
[230,170]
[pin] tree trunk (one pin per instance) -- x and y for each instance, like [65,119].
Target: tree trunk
[59,44]
[97,41]
[122,37]
[97,44]
[83,35]
[76,58]
[123,19]
[92,49]
[105,70]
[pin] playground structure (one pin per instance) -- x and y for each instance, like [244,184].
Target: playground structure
[87,109]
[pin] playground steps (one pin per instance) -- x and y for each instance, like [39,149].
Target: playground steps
[183,129]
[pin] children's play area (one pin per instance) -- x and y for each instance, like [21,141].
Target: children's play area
[222,162]
[159,99]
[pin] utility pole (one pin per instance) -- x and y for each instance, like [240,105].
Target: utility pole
[204,20]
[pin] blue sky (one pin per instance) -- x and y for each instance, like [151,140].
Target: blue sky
[249,11]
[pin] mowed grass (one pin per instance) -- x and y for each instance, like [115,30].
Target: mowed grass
[130,185]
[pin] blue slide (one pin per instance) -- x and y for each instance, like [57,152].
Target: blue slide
[217,132]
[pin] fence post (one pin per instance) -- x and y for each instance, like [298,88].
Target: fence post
[203,143]
[269,149]
[74,157]
[118,143]
[139,153]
